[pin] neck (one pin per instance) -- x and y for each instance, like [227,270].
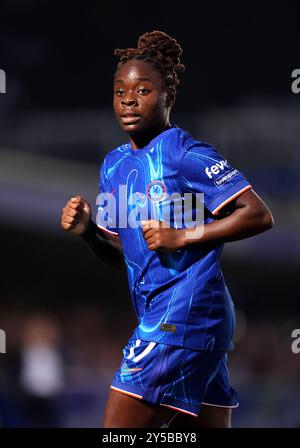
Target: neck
[141,140]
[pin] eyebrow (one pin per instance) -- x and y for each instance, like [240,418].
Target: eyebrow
[141,78]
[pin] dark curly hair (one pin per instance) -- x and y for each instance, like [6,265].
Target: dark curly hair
[162,51]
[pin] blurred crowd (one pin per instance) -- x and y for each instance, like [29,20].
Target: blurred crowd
[57,369]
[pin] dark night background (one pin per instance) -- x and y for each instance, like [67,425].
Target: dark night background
[57,302]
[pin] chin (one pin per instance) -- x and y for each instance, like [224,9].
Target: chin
[132,129]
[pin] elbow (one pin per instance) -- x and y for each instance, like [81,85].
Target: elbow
[267,220]
[261,219]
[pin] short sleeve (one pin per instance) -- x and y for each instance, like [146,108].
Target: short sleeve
[106,203]
[204,170]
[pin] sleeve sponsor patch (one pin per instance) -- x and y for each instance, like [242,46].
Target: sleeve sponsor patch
[224,178]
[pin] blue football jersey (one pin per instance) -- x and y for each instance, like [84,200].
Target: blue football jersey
[180,297]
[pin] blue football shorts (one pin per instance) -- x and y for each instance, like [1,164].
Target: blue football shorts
[179,378]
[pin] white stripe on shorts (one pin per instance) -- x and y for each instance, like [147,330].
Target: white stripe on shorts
[145,352]
[131,351]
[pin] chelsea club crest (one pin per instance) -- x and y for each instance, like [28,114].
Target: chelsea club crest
[156,191]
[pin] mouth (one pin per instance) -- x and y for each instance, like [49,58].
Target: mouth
[130,118]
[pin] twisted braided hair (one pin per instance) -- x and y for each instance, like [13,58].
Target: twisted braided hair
[160,50]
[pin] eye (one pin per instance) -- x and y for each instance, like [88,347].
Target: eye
[143,91]
[119,92]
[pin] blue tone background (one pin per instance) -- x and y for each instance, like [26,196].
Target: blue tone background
[66,315]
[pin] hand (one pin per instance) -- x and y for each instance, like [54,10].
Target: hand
[162,238]
[76,215]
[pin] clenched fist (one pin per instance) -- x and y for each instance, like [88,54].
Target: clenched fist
[162,238]
[76,215]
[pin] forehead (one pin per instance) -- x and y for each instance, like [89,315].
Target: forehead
[133,71]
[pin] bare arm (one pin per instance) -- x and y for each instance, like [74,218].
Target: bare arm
[106,248]
[246,216]
[76,218]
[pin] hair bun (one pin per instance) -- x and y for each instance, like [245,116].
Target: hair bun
[165,48]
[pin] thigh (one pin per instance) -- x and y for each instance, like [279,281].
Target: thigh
[209,417]
[124,411]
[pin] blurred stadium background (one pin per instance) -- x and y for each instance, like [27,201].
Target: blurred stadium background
[66,315]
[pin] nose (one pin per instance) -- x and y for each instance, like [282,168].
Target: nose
[129,100]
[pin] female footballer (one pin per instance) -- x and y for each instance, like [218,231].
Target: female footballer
[174,366]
